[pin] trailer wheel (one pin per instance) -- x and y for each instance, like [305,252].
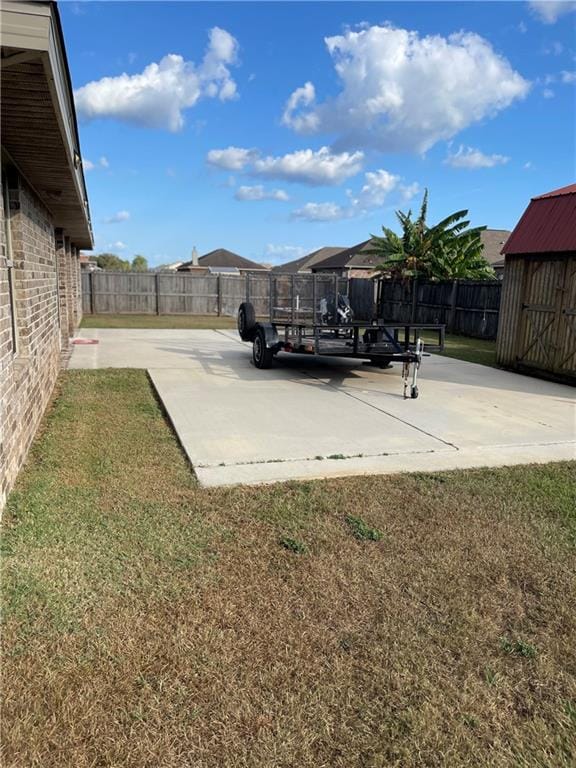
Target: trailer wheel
[261,354]
[246,321]
[414,392]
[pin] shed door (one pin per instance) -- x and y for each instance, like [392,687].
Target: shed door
[566,362]
[548,325]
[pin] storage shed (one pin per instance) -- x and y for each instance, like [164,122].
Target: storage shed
[537,328]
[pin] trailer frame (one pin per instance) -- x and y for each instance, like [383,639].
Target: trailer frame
[376,342]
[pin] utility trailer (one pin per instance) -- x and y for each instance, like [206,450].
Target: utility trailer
[312,315]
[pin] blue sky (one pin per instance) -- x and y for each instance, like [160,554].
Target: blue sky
[272,129]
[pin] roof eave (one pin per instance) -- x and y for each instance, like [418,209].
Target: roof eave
[36,28]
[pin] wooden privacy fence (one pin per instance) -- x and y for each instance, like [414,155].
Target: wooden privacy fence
[467,307]
[163,293]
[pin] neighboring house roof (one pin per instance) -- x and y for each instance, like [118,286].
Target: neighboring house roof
[357,258]
[547,225]
[304,263]
[222,258]
[351,258]
[493,240]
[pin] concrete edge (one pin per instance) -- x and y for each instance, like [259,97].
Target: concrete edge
[256,474]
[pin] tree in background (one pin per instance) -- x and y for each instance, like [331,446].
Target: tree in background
[112,262]
[139,264]
[445,251]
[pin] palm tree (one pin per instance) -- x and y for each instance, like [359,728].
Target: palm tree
[446,251]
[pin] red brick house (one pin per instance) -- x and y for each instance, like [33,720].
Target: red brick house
[44,221]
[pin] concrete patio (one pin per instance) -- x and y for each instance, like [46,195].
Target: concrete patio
[310,418]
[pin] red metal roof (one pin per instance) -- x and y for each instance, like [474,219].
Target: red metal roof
[548,225]
[569,190]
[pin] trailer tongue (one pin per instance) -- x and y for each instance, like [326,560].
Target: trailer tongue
[326,326]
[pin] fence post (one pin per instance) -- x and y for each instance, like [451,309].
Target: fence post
[453,303]
[314,297]
[91,285]
[414,308]
[219,289]
[157,285]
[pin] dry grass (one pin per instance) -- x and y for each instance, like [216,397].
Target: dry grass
[157,321]
[151,623]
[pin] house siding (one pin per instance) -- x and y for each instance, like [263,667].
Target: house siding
[47,311]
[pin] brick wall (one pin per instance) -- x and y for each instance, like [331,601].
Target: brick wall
[46,314]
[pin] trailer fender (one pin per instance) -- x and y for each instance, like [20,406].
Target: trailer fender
[270,335]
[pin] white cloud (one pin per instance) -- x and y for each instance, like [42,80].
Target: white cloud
[280,253]
[408,191]
[321,212]
[568,77]
[378,184]
[374,193]
[305,166]
[527,166]
[116,218]
[470,158]
[259,193]
[301,97]
[401,91]
[88,165]
[231,159]
[158,96]
[117,246]
[555,48]
[548,93]
[549,11]
[310,167]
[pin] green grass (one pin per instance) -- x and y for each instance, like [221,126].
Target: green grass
[157,321]
[470,350]
[151,622]
[362,531]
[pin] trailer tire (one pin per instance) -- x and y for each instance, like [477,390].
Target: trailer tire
[262,355]
[246,321]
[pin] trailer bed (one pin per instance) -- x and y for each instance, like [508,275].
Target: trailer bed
[321,322]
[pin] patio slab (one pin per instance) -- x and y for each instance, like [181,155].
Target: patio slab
[309,418]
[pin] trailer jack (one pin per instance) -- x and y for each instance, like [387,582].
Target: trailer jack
[415,365]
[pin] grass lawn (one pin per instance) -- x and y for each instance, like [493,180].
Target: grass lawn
[415,620]
[471,350]
[157,321]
